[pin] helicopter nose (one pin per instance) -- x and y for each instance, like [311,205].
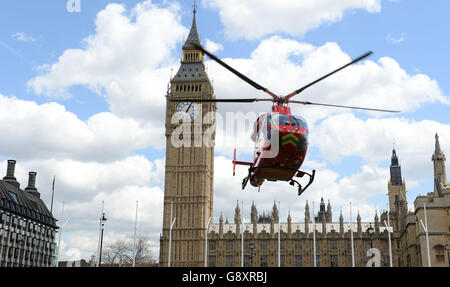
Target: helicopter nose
[302,142]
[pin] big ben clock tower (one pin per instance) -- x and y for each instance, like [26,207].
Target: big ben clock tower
[188,185]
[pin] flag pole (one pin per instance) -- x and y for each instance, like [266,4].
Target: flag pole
[100,239]
[134,242]
[170,233]
[206,242]
[60,231]
[314,237]
[53,194]
[351,236]
[279,232]
[389,234]
[242,234]
[425,227]
[206,233]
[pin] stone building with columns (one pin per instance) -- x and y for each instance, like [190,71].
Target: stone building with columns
[27,227]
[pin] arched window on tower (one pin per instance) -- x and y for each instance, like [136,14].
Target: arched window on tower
[439,252]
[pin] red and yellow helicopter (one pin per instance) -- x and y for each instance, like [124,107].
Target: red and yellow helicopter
[281,138]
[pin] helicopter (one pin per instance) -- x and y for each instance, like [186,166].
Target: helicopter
[281,138]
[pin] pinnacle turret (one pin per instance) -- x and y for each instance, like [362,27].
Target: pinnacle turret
[437,146]
[440,173]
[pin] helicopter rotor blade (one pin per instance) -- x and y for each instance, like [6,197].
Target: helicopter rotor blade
[243,77]
[341,106]
[222,100]
[286,98]
[216,100]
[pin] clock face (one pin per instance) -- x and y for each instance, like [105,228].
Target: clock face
[187,111]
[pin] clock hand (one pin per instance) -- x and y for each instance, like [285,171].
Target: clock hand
[187,111]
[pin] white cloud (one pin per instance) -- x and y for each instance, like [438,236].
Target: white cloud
[253,19]
[50,131]
[21,36]
[212,46]
[396,40]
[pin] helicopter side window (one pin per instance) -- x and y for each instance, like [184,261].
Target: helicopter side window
[263,127]
[267,127]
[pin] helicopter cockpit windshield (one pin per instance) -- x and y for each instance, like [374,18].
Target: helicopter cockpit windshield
[298,122]
[279,119]
[287,120]
[264,124]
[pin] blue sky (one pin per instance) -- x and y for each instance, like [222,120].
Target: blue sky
[83,113]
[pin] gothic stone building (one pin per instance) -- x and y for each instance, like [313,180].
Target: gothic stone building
[27,228]
[409,234]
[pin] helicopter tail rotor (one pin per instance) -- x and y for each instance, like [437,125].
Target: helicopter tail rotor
[234,162]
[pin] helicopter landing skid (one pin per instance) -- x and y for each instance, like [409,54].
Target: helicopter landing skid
[301,174]
[247,178]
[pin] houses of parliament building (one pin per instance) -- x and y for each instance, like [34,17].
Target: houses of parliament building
[188,198]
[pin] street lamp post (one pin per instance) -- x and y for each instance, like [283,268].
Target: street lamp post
[371,231]
[102,225]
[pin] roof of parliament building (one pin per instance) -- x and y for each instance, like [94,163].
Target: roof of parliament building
[25,203]
[266,223]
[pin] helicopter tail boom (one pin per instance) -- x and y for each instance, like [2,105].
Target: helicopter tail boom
[235,162]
